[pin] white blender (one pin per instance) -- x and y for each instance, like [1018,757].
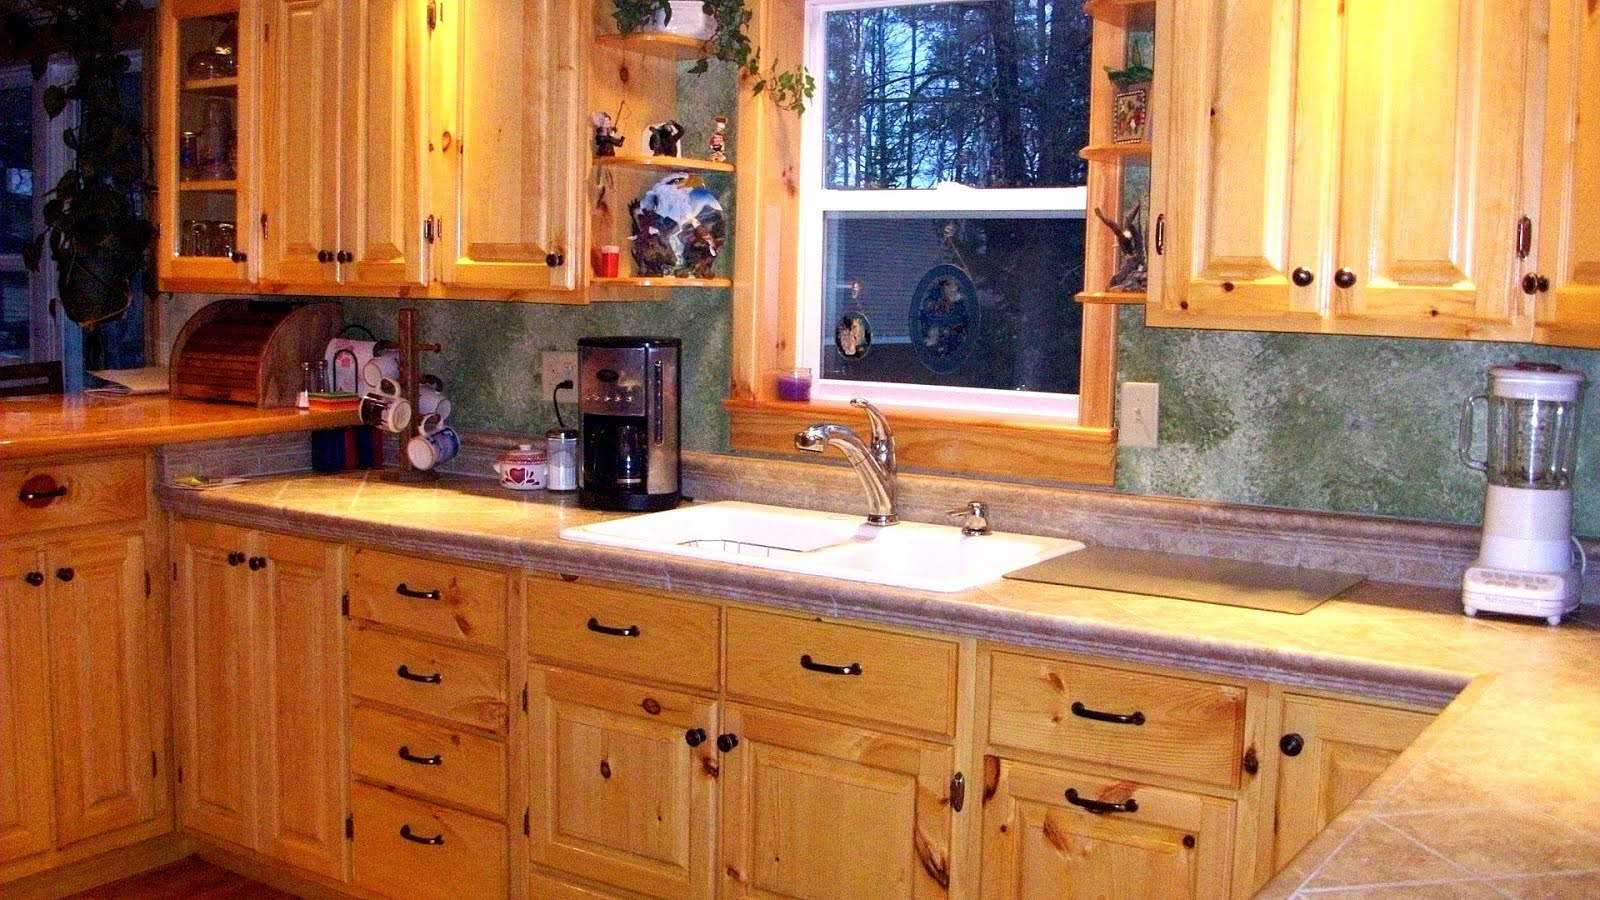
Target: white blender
[1525,562]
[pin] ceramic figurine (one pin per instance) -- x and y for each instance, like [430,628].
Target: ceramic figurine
[1130,244]
[606,140]
[718,140]
[664,137]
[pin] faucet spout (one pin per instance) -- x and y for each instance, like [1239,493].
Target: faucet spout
[874,463]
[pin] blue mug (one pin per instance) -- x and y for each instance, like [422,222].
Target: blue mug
[436,444]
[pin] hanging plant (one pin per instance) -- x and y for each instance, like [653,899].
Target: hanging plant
[789,87]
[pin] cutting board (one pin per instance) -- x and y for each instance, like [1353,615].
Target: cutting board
[1229,582]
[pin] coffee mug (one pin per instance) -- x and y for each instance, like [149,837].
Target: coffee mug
[436,444]
[430,401]
[385,408]
[379,367]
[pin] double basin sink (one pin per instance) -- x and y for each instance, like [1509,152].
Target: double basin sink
[832,545]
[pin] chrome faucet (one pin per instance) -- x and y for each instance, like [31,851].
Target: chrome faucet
[874,462]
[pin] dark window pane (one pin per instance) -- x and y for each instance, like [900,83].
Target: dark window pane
[13,316]
[956,301]
[16,168]
[991,94]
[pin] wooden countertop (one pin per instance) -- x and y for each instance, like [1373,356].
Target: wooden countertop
[1500,797]
[75,423]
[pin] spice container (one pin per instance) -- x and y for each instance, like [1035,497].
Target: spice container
[561,451]
[522,469]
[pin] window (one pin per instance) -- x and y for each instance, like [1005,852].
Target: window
[16,212]
[943,199]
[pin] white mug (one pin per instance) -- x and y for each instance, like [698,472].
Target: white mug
[430,401]
[386,411]
[384,365]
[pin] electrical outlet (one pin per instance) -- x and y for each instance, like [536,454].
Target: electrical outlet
[556,366]
[1140,405]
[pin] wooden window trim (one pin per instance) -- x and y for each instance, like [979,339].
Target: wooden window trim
[765,279]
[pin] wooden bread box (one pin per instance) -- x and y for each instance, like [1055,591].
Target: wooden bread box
[250,351]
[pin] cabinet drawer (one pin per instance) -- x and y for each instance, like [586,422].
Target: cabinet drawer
[795,663]
[661,638]
[1185,727]
[427,678]
[414,849]
[439,599]
[450,764]
[63,494]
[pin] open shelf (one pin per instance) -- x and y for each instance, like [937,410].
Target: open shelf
[226,87]
[201,185]
[664,281]
[1110,297]
[1101,152]
[1101,8]
[675,163]
[670,46]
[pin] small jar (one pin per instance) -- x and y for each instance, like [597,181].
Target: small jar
[522,469]
[561,451]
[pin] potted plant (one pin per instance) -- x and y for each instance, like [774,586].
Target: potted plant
[93,221]
[790,87]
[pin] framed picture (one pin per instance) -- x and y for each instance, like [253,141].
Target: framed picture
[1130,114]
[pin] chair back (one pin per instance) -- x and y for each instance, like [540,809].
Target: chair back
[31,378]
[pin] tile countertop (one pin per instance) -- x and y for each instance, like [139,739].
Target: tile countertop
[1500,797]
[75,423]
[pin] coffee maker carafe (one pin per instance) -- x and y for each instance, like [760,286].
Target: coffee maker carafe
[628,391]
[1525,560]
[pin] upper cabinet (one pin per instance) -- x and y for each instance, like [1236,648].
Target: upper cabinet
[1346,166]
[341,162]
[1567,283]
[206,162]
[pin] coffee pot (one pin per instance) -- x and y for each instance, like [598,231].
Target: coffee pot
[628,419]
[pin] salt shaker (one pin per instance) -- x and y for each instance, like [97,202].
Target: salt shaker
[561,459]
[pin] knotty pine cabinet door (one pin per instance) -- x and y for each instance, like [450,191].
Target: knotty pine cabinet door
[342,92]
[25,748]
[1041,841]
[505,135]
[624,784]
[1348,166]
[818,809]
[1567,284]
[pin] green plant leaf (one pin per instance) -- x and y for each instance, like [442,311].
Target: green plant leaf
[54,100]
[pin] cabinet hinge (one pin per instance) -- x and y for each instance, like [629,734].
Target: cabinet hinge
[174,571]
[153,768]
[344,605]
[524,697]
[958,791]
[147,582]
[427,229]
[263,225]
[433,15]
[526,824]
[1524,237]
[180,773]
[350,827]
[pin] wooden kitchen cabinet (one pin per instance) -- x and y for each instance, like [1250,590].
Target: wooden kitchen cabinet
[258,659]
[1342,167]
[1567,284]
[1059,833]
[1329,751]
[342,86]
[505,186]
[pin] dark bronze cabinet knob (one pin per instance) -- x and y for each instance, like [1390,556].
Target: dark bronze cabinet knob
[554,260]
[1291,744]
[235,558]
[34,578]
[257,563]
[65,573]
[240,256]
[324,256]
[1344,278]
[726,742]
[345,256]
[1302,277]
[694,737]
[1535,283]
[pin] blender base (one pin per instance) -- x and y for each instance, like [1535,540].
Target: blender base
[1545,595]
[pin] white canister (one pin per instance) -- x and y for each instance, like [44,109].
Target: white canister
[561,451]
[522,469]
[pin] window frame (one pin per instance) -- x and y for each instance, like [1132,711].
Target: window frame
[766,312]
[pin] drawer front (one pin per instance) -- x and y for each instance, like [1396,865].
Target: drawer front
[623,631]
[843,670]
[450,764]
[64,494]
[414,849]
[1155,723]
[427,678]
[438,599]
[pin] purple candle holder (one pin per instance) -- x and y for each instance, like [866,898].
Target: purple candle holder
[794,384]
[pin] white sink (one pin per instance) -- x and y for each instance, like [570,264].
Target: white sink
[910,554]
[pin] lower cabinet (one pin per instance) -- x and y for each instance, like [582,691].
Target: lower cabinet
[1059,833]
[259,693]
[1331,750]
[77,746]
[409,847]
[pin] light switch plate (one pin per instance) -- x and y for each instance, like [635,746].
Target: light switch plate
[1139,407]
[556,366]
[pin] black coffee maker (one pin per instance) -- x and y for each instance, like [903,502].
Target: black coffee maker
[628,392]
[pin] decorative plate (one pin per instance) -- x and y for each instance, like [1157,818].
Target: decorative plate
[678,228]
[944,317]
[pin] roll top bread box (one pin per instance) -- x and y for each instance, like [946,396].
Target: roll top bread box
[250,351]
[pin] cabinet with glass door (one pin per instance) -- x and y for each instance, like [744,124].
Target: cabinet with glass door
[205,153]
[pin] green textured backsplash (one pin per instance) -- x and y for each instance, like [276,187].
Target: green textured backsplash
[1348,424]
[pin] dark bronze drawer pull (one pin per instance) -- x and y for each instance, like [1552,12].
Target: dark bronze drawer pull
[407,674]
[42,498]
[435,841]
[1101,807]
[597,628]
[408,756]
[1084,712]
[806,663]
[404,591]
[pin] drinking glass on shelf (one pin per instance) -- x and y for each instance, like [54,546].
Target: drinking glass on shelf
[188,155]
[222,239]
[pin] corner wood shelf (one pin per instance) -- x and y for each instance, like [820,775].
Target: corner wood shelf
[222,87]
[212,186]
[1109,297]
[663,163]
[669,46]
[663,281]
[1107,152]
